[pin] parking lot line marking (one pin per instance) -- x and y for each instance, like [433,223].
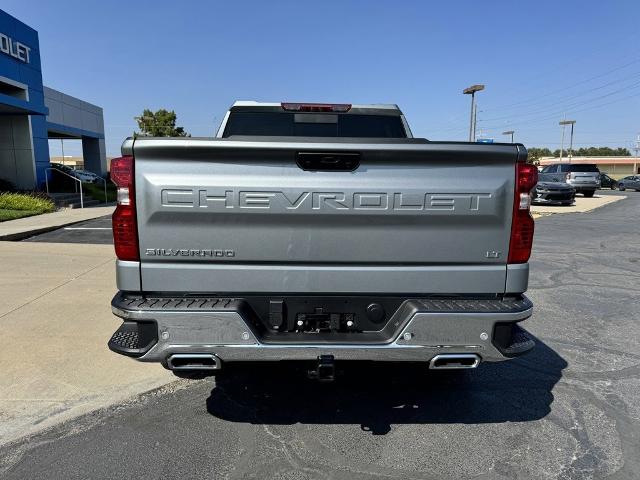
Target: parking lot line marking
[87,228]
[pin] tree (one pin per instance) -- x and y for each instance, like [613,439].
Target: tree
[159,124]
[535,154]
[594,152]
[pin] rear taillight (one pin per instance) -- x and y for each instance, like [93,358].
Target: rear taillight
[125,231]
[316,107]
[522,224]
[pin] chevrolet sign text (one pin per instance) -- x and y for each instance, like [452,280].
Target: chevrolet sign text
[328,201]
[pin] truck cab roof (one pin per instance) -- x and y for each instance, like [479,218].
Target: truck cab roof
[298,119]
[363,108]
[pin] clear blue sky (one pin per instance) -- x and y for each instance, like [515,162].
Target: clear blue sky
[538,61]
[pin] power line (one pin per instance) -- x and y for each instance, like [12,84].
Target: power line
[534,121]
[568,106]
[555,102]
[582,82]
[450,125]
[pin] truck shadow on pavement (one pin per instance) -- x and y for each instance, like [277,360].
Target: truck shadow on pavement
[377,396]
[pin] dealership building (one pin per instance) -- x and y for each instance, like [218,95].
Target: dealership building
[616,167]
[31,114]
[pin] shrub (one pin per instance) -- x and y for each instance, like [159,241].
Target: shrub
[96,190]
[26,201]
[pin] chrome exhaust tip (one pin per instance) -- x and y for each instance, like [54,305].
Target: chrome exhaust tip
[193,361]
[450,361]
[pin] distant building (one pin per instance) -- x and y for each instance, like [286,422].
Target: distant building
[73,161]
[615,167]
[31,114]
[70,161]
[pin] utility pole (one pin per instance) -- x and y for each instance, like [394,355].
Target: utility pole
[509,132]
[475,123]
[562,124]
[472,121]
[635,165]
[571,142]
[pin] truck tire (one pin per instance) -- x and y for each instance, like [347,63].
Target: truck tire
[589,194]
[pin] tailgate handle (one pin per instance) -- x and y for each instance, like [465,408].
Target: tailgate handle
[331,161]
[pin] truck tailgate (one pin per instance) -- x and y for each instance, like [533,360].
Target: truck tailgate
[229,215]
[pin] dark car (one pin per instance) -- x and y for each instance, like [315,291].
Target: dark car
[553,193]
[631,182]
[59,166]
[607,182]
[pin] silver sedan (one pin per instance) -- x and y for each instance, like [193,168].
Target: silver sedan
[630,182]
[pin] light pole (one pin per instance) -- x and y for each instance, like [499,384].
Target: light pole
[509,132]
[563,123]
[472,122]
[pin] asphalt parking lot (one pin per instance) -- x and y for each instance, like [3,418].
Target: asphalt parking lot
[91,231]
[570,409]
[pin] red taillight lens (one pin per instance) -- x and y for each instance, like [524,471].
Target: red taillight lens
[122,171]
[125,231]
[316,107]
[522,224]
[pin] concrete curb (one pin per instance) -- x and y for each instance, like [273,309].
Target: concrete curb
[13,237]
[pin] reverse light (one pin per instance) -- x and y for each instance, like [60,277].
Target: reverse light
[124,224]
[316,107]
[522,225]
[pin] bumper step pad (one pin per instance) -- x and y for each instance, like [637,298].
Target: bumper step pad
[521,342]
[134,338]
[517,343]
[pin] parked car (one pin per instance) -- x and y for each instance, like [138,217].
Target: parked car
[83,175]
[322,233]
[584,177]
[86,176]
[61,167]
[607,182]
[631,182]
[553,193]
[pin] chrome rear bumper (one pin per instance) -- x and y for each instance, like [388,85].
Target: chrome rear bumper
[424,329]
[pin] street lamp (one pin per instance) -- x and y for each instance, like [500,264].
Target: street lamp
[562,124]
[509,132]
[472,123]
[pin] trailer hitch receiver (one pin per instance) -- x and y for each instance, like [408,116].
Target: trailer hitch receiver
[325,370]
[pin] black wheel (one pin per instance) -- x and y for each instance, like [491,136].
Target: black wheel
[613,186]
[589,194]
[621,187]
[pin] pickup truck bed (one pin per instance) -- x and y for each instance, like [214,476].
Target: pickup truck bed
[295,248]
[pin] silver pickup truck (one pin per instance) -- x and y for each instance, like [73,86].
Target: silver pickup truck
[320,233]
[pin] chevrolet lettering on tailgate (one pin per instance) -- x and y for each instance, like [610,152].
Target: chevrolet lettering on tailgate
[223,199]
